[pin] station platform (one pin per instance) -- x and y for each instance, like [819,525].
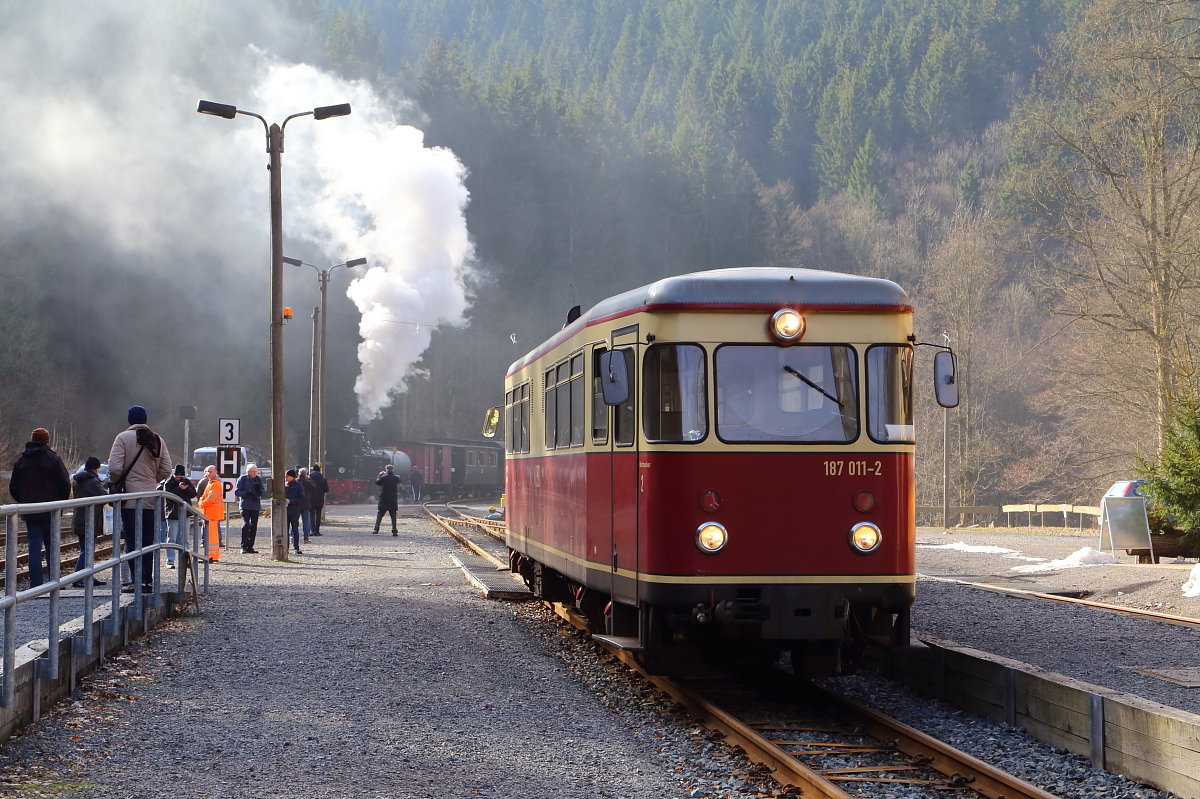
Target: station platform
[367,667]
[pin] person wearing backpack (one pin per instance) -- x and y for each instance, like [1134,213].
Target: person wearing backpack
[38,476]
[140,461]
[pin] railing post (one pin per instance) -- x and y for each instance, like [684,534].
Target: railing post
[89,561]
[10,613]
[112,625]
[160,535]
[136,571]
[48,668]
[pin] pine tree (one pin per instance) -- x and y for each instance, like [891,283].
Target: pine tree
[866,174]
[1173,480]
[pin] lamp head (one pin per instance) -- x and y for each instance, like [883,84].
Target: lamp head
[356,262]
[220,109]
[327,111]
[293,261]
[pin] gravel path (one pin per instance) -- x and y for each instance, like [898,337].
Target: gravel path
[368,668]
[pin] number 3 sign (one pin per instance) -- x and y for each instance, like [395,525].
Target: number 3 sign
[231,432]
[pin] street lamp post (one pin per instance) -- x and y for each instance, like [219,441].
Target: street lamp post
[316,434]
[275,150]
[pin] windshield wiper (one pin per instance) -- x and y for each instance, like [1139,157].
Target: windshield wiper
[811,384]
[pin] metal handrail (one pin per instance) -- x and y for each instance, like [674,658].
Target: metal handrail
[47,667]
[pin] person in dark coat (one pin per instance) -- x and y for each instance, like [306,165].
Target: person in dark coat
[417,481]
[38,476]
[294,494]
[389,488]
[250,490]
[87,484]
[179,485]
[318,500]
[310,490]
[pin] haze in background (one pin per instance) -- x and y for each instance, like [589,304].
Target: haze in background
[139,228]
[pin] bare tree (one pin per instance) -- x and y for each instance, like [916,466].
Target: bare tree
[1107,174]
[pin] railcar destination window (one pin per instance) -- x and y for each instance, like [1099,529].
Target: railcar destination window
[674,393]
[516,419]
[806,393]
[889,394]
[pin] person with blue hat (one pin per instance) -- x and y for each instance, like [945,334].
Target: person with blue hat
[138,461]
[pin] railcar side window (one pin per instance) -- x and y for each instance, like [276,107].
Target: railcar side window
[551,411]
[516,419]
[625,418]
[577,401]
[674,393]
[889,394]
[599,409]
[564,404]
[524,426]
[806,393]
[508,422]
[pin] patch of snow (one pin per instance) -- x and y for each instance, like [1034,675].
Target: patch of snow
[1192,586]
[1083,557]
[1029,558]
[963,546]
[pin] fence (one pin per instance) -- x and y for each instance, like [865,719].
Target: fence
[935,512]
[83,641]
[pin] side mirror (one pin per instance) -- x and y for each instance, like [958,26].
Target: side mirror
[945,379]
[491,420]
[614,380]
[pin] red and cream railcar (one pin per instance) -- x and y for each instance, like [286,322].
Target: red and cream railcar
[754,487]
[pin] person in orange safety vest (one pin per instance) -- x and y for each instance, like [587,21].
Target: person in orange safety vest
[212,505]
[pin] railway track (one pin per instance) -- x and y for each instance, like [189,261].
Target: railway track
[806,736]
[1187,621]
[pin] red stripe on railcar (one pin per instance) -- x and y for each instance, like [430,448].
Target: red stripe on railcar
[786,512]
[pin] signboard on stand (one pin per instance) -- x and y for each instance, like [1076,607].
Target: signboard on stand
[1123,524]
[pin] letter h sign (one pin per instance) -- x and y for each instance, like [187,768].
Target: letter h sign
[229,461]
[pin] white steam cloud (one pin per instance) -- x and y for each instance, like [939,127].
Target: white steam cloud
[374,190]
[101,131]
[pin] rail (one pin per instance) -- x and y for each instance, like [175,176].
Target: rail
[47,666]
[961,769]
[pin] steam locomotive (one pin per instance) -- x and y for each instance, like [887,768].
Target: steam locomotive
[452,468]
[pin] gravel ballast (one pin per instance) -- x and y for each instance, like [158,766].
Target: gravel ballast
[1096,646]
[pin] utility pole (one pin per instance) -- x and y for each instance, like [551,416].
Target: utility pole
[946,458]
[279,547]
[274,133]
[321,369]
[314,437]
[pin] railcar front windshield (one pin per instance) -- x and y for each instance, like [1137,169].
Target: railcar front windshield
[806,393]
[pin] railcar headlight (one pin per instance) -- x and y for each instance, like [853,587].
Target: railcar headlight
[787,325]
[865,537]
[711,537]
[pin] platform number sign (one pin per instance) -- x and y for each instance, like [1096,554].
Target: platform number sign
[231,433]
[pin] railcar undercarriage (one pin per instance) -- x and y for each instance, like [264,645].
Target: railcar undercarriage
[823,632]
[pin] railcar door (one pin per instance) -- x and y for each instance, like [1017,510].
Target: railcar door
[625,476]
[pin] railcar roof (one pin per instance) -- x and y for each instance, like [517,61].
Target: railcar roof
[735,289]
